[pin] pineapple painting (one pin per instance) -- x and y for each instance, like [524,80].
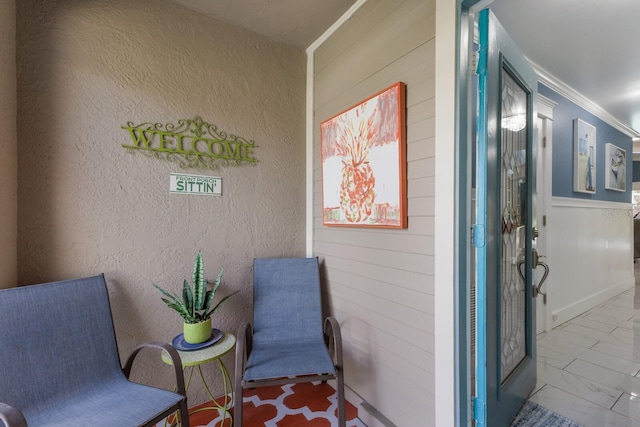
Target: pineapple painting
[357,179]
[363,163]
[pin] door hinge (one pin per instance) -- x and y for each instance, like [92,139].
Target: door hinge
[544,220]
[544,142]
[478,411]
[478,236]
[474,61]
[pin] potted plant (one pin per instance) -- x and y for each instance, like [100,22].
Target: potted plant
[195,304]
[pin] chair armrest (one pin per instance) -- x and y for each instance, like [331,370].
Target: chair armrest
[244,344]
[11,416]
[334,340]
[175,360]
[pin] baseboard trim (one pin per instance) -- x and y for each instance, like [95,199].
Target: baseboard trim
[586,304]
[367,413]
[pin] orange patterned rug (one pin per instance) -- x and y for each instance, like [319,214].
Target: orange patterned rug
[291,405]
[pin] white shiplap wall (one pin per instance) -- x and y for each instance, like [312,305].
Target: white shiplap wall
[379,283]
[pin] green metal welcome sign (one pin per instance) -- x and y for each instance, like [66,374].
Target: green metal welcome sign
[192,143]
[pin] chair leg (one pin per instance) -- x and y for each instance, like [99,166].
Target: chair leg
[342,415]
[243,348]
[184,414]
[237,403]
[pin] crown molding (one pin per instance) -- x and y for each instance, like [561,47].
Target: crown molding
[582,101]
[546,106]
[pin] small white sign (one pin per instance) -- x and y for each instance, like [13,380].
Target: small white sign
[195,184]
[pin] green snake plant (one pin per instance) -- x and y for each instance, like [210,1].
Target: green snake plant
[195,304]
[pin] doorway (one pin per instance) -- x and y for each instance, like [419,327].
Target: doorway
[502,90]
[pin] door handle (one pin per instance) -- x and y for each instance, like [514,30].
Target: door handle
[538,289]
[535,261]
[521,273]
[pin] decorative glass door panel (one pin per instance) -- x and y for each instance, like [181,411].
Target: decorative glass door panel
[513,135]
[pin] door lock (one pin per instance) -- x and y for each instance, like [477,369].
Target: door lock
[535,258]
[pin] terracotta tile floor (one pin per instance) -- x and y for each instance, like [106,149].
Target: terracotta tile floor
[291,405]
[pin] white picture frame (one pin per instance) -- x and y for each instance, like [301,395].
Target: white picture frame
[615,168]
[584,160]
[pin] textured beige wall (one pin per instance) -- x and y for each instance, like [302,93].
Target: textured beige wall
[8,146]
[88,67]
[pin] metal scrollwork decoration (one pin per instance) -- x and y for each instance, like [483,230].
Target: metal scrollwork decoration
[191,143]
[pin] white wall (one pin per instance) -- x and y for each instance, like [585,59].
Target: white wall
[380,282]
[445,208]
[590,255]
[8,147]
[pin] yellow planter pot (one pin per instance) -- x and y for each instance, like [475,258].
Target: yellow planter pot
[195,333]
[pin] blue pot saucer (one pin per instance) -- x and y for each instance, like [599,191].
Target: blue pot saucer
[180,344]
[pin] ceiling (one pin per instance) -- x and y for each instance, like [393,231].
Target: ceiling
[591,46]
[295,22]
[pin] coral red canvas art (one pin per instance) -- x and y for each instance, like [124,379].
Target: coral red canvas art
[363,152]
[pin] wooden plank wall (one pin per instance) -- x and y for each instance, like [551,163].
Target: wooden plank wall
[380,283]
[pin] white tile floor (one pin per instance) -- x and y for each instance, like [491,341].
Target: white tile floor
[589,367]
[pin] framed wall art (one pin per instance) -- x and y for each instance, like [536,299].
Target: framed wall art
[363,155]
[584,160]
[615,177]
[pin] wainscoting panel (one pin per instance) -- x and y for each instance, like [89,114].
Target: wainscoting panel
[590,255]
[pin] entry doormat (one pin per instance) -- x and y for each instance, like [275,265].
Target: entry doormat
[534,415]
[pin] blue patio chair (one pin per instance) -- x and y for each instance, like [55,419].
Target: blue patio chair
[59,362]
[287,343]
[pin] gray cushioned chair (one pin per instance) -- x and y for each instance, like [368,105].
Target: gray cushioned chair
[59,362]
[287,343]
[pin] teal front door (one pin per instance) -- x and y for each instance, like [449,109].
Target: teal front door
[504,230]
